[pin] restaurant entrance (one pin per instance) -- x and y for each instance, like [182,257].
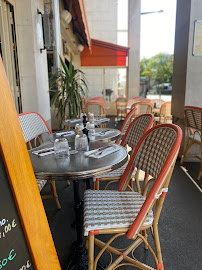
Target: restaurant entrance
[8,49]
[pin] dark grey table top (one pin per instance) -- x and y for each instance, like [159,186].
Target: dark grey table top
[97,121]
[112,136]
[77,166]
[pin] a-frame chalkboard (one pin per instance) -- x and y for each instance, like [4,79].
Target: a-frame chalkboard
[25,238]
[14,253]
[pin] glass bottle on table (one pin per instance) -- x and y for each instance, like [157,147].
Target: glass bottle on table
[81,142]
[91,131]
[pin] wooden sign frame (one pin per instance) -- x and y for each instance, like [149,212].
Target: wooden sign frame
[23,183]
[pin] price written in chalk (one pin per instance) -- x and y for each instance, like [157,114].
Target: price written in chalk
[4,261]
[6,227]
[26,266]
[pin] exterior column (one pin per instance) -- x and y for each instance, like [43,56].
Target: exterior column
[187,79]
[134,9]
[32,62]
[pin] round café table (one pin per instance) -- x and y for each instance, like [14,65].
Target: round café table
[77,167]
[102,134]
[97,121]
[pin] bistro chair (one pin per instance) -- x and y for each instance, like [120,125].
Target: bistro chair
[165,114]
[121,103]
[193,119]
[35,128]
[157,103]
[137,98]
[129,214]
[97,107]
[129,117]
[145,100]
[142,107]
[130,103]
[131,138]
[101,99]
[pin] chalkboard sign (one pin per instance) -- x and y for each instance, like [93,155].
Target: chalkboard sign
[25,238]
[14,253]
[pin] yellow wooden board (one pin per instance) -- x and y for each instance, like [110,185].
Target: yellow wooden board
[23,183]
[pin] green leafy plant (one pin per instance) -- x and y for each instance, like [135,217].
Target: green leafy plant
[69,88]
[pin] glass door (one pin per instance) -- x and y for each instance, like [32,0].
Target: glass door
[8,49]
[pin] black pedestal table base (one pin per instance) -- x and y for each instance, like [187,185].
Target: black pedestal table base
[79,257]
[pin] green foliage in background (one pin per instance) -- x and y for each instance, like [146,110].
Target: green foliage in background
[69,88]
[158,68]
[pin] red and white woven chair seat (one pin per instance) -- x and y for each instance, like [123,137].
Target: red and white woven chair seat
[41,183]
[116,173]
[112,209]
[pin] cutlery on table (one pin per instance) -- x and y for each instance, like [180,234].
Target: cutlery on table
[100,150]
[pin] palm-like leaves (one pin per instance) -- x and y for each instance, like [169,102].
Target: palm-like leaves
[70,92]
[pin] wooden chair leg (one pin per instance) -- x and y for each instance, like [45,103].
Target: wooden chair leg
[200,172]
[97,185]
[54,192]
[144,233]
[91,252]
[188,145]
[94,185]
[137,181]
[158,247]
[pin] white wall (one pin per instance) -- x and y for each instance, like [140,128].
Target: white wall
[102,23]
[187,79]
[33,64]
[102,19]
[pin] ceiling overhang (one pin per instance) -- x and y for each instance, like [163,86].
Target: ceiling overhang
[80,25]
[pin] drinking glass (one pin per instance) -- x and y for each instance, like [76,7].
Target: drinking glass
[81,142]
[61,148]
[91,131]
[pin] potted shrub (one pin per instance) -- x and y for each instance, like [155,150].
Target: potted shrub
[68,88]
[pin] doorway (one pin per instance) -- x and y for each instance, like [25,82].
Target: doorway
[8,49]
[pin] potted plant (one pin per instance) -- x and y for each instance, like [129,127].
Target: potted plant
[69,89]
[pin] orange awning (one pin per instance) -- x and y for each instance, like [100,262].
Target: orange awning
[104,54]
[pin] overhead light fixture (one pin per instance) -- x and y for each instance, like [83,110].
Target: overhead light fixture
[66,16]
[80,48]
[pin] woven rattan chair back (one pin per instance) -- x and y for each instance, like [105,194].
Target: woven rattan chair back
[129,117]
[145,100]
[131,138]
[157,102]
[193,119]
[131,102]
[142,107]
[128,120]
[152,151]
[97,107]
[33,126]
[136,130]
[121,103]
[165,112]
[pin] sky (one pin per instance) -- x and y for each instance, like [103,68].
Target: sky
[157,29]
